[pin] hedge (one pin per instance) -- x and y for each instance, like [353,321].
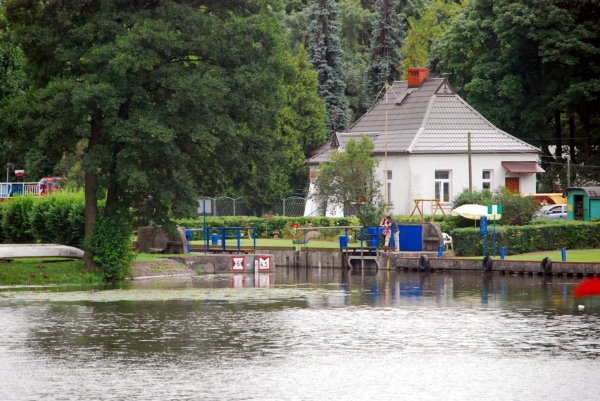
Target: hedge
[57,218]
[530,238]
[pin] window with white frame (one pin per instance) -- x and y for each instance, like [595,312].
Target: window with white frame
[486,179]
[442,185]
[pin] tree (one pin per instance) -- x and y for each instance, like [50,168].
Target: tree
[12,83]
[531,67]
[384,53]
[325,55]
[302,123]
[426,25]
[349,180]
[355,21]
[174,98]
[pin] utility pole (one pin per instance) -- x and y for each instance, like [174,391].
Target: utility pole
[568,171]
[470,166]
[8,167]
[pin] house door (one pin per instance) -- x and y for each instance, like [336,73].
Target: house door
[512,184]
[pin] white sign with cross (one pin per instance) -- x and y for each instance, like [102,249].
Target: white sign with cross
[237,263]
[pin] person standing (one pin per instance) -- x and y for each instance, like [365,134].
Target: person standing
[394,230]
[386,230]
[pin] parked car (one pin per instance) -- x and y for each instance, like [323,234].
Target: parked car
[553,212]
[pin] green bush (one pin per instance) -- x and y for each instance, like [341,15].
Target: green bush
[59,218]
[110,246]
[56,218]
[16,228]
[516,209]
[530,238]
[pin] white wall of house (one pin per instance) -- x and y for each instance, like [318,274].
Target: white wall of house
[414,177]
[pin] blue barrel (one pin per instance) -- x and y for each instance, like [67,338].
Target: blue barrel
[343,241]
[215,239]
[374,230]
[188,238]
[374,241]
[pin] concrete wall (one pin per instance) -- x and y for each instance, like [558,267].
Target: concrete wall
[222,263]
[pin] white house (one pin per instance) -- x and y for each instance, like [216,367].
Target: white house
[420,130]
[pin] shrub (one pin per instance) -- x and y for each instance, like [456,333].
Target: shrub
[110,246]
[530,238]
[59,218]
[516,209]
[16,228]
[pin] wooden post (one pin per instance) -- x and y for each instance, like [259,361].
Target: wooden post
[470,167]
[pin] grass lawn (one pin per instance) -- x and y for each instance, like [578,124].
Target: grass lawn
[43,271]
[575,255]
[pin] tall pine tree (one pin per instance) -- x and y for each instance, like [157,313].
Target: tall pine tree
[386,40]
[325,55]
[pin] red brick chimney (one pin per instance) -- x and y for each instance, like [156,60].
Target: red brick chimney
[416,76]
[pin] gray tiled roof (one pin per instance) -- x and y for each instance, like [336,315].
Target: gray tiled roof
[430,118]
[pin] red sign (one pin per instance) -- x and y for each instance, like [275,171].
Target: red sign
[238,263]
[264,263]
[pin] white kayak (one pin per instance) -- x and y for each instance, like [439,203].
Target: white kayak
[39,251]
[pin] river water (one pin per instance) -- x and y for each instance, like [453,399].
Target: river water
[303,334]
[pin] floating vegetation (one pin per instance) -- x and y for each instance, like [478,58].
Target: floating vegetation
[192,294]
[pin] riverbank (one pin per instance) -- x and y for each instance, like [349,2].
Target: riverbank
[44,271]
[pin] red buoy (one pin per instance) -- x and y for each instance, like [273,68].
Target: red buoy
[587,288]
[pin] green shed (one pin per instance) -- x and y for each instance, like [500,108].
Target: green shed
[583,203]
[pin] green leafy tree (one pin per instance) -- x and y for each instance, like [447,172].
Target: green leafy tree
[384,52]
[302,123]
[349,180]
[325,55]
[531,67]
[427,24]
[174,98]
[355,21]
[12,83]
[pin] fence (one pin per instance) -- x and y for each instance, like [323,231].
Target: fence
[226,206]
[8,189]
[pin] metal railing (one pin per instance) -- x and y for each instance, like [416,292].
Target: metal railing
[10,189]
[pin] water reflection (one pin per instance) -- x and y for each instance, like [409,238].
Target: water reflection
[354,334]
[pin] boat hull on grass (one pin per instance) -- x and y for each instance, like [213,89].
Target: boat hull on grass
[11,251]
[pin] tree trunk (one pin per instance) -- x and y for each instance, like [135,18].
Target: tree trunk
[112,195]
[91,203]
